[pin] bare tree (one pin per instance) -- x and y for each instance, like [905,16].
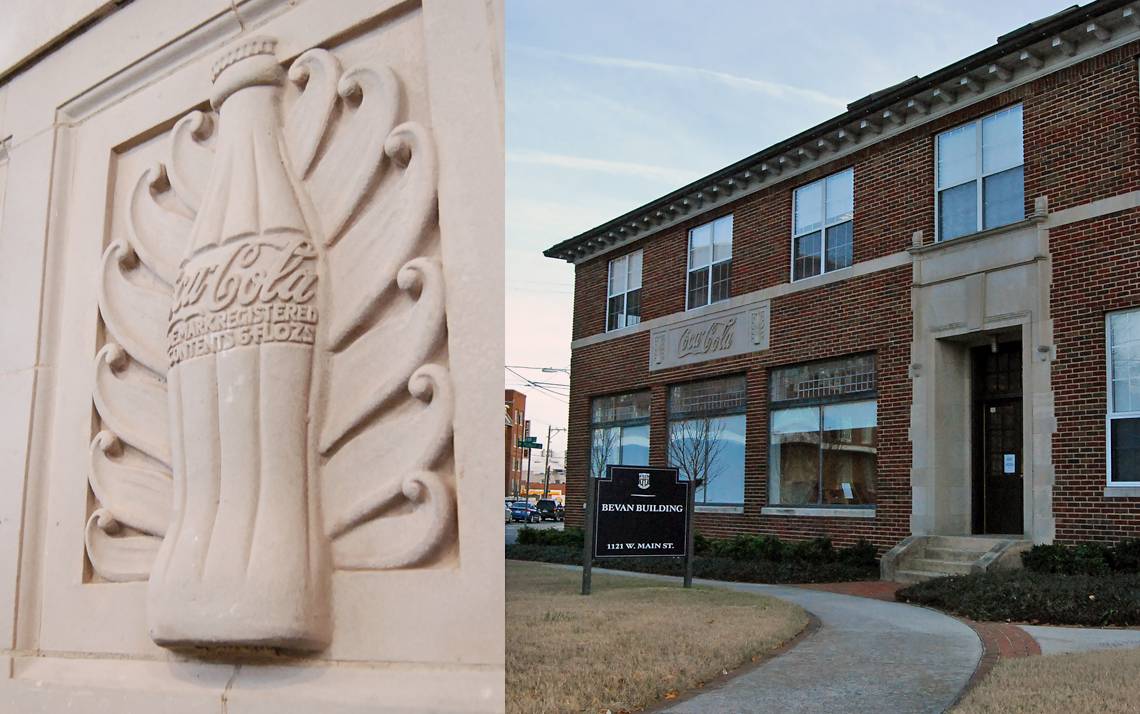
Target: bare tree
[695,448]
[601,445]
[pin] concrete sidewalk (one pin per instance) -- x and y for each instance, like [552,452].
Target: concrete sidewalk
[867,656]
[1058,640]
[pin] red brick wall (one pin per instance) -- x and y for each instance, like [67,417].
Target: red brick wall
[516,402]
[1096,269]
[1081,143]
[867,314]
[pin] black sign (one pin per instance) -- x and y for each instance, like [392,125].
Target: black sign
[640,511]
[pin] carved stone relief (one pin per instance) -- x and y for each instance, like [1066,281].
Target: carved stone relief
[275,330]
[725,333]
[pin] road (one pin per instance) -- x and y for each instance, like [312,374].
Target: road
[513,528]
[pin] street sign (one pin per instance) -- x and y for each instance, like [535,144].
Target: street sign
[529,444]
[640,511]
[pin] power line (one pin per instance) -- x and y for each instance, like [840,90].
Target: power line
[536,385]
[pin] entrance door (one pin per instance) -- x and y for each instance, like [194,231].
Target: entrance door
[998,438]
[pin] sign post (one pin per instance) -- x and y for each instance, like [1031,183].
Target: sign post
[638,511]
[528,443]
[588,541]
[689,533]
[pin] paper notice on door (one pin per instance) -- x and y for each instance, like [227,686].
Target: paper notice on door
[1009,464]
[847,491]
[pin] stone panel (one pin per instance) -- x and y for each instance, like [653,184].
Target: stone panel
[725,334]
[257,344]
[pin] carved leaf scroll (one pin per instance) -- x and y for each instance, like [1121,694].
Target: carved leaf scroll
[386,298]
[129,470]
[383,376]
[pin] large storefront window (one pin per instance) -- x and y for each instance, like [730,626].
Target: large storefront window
[620,431]
[706,437]
[823,420]
[1124,398]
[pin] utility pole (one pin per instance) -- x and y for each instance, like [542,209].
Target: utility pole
[549,435]
[546,481]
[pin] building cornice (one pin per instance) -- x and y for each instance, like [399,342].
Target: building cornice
[1024,55]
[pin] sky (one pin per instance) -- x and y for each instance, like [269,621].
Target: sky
[612,103]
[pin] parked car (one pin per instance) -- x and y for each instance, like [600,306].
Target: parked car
[550,510]
[525,512]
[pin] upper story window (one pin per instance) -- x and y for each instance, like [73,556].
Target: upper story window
[1123,422]
[710,262]
[623,306]
[980,175]
[821,225]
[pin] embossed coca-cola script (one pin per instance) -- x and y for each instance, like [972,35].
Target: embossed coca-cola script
[244,294]
[713,337]
[255,271]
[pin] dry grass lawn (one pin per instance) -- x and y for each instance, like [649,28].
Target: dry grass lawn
[1084,683]
[629,643]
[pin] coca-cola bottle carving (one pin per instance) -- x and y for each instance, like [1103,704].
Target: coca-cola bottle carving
[273,392]
[239,565]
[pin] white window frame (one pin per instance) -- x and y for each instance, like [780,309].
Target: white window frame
[979,176]
[624,295]
[1110,414]
[824,225]
[712,249]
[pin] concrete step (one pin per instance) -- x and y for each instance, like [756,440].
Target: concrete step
[977,544]
[953,554]
[944,567]
[910,577]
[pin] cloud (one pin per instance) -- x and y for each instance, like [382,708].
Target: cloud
[620,168]
[776,90]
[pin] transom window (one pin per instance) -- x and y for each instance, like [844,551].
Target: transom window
[980,175]
[823,423]
[620,431]
[710,262]
[822,225]
[706,437]
[1123,422]
[623,304]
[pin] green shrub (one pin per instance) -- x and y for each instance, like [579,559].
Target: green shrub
[550,536]
[743,558]
[1125,556]
[748,547]
[863,553]
[816,550]
[545,553]
[1084,559]
[712,568]
[701,544]
[1034,597]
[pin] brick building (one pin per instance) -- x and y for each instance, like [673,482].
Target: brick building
[921,317]
[515,421]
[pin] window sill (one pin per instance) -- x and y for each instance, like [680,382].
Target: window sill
[943,243]
[1122,491]
[718,509]
[707,307]
[819,511]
